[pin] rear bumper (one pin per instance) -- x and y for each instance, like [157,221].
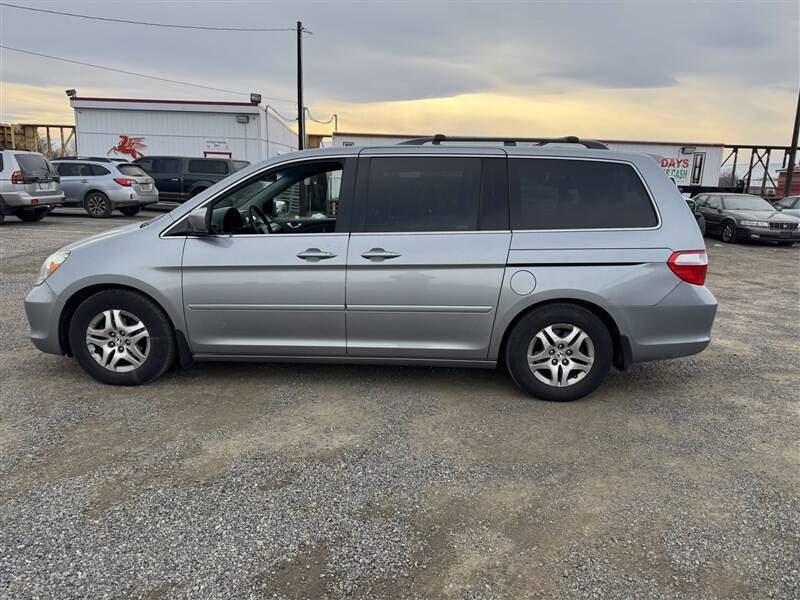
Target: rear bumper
[43,310]
[15,201]
[125,196]
[679,325]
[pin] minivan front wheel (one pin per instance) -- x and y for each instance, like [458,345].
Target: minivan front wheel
[559,352]
[97,205]
[122,338]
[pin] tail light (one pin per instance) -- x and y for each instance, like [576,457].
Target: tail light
[691,266]
[17,177]
[124,181]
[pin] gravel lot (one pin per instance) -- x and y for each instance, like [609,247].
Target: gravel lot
[678,479]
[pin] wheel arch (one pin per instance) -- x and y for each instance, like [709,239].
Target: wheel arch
[92,191]
[621,358]
[72,303]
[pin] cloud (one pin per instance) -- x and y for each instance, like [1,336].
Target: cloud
[393,54]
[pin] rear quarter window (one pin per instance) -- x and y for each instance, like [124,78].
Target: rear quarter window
[97,170]
[131,170]
[577,194]
[211,167]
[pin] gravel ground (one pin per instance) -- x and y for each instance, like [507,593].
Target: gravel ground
[678,479]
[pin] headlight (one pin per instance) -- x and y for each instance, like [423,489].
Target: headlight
[754,223]
[50,265]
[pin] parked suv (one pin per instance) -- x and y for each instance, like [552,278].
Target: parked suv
[179,178]
[554,261]
[738,217]
[101,186]
[29,185]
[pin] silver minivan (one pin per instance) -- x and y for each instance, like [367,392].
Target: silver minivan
[557,262]
[101,186]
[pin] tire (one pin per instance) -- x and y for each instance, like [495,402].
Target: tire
[562,319]
[197,191]
[142,360]
[701,224]
[97,205]
[29,216]
[130,211]
[728,232]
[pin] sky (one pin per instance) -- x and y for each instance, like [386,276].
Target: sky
[673,71]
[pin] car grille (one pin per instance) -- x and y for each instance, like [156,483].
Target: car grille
[783,226]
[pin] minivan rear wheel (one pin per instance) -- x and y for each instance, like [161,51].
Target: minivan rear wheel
[121,337]
[97,205]
[559,352]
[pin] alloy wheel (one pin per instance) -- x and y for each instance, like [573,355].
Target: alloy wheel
[118,340]
[560,355]
[96,205]
[728,232]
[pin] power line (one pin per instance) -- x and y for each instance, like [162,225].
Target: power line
[311,117]
[273,109]
[115,70]
[146,23]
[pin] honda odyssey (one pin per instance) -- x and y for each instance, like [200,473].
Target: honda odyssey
[555,261]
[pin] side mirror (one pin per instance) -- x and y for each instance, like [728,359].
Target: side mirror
[777,207]
[198,221]
[279,207]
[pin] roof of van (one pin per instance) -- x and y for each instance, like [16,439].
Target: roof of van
[569,151]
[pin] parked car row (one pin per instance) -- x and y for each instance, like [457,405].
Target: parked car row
[740,217]
[31,186]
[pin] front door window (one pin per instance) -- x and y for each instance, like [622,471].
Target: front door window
[296,199]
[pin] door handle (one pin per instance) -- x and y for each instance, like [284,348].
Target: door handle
[174,179]
[315,254]
[379,254]
[84,181]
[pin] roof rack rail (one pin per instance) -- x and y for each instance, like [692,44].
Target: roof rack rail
[507,141]
[94,158]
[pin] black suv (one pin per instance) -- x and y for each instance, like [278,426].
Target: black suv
[178,178]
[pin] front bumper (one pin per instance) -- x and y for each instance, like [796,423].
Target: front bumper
[768,235]
[43,309]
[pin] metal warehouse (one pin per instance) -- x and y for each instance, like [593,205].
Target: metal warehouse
[689,163]
[133,127]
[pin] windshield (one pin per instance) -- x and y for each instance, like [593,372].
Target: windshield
[746,203]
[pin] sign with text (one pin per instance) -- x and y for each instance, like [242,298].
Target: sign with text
[217,145]
[677,168]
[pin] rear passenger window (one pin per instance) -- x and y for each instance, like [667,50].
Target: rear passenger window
[97,170]
[68,169]
[423,194]
[577,194]
[214,167]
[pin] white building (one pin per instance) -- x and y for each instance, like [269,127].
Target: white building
[130,128]
[689,163]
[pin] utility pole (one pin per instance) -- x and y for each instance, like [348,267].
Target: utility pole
[787,189]
[301,117]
